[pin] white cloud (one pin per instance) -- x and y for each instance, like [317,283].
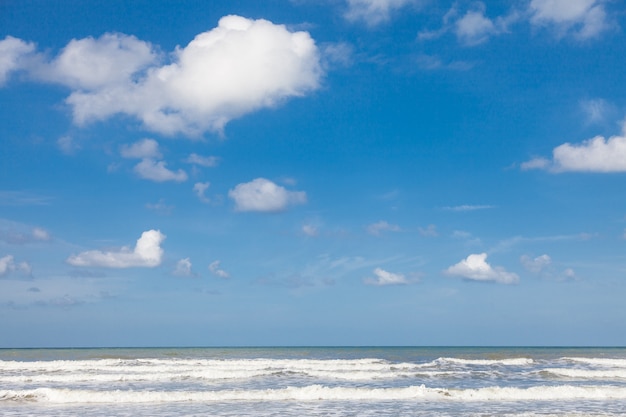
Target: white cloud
[474,27]
[374,12]
[469,207]
[157,171]
[40,234]
[15,233]
[143,149]
[160,207]
[215,269]
[375,229]
[537,264]
[200,188]
[584,19]
[183,268]
[12,54]
[596,110]
[205,161]
[594,155]
[386,278]
[264,195]
[8,265]
[475,268]
[310,230]
[147,253]
[241,66]
[68,145]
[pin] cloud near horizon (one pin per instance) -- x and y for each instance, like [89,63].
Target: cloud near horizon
[476,268]
[146,253]
[264,196]
[240,66]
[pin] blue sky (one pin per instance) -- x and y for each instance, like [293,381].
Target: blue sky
[341,172]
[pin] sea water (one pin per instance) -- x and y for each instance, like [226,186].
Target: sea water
[346,381]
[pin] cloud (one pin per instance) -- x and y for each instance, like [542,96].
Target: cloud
[147,253]
[8,265]
[469,207]
[157,171]
[429,231]
[375,12]
[205,161]
[375,229]
[264,196]
[68,145]
[200,188]
[214,268]
[13,51]
[310,230]
[472,28]
[143,149]
[160,207]
[537,264]
[386,278]
[240,66]
[475,268]
[594,155]
[183,268]
[583,19]
[19,234]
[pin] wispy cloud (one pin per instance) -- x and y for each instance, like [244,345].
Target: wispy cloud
[214,268]
[383,278]
[469,207]
[376,229]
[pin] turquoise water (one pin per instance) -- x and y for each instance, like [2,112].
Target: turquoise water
[314,381]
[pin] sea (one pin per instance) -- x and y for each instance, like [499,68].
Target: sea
[314,381]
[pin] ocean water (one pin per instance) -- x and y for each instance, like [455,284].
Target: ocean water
[346,381]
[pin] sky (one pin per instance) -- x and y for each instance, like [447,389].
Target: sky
[299,172]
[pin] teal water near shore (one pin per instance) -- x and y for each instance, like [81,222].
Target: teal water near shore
[314,381]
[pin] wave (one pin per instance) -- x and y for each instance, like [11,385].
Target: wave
[608,362]
[587,373]
[319,393]
[488,362]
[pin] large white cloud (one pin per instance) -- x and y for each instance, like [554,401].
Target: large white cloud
[594,155]
[240,66]
[476,268]
[264,195]
[583,19]
[146,253]
[12,54]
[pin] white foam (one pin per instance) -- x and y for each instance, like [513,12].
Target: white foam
[321,393]
[609,362]
[588,373]
[489,362]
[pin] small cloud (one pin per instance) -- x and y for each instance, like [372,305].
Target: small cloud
[143,149]
[582,19]
[383,277]
[200,188]
[537,264]
[475,268]
[205,161]
[469,207]
[214,268]
[594,155]
[183,268]
[157,171]
[597,110]
[432,63]
[147,253]
[263,195]
[68,145]
[310,230]
[375,229]
[8,265]
[375,12]
[429,231]
[41,234]
[160,207]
